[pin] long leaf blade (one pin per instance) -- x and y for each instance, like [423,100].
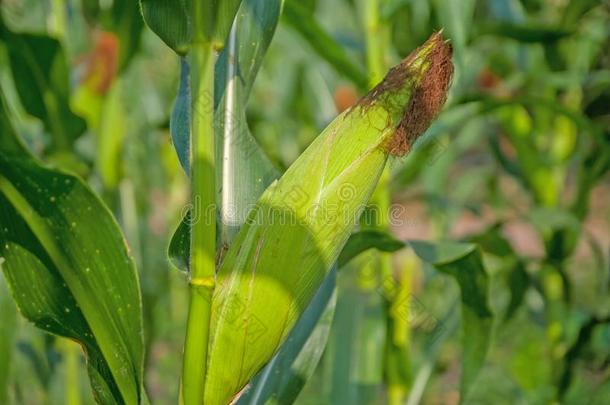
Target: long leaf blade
[66,279]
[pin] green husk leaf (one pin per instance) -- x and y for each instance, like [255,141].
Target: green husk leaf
[283,378]
[65,279]
[303,220]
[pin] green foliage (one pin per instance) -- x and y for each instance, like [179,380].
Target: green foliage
[66,279]
[305,23]
[171,21]
[41,75]
[514,171]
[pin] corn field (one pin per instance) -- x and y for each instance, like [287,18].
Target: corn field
[213,202]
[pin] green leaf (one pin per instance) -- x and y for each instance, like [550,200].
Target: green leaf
[493,242]
[126,22]
[575,351]
[225,14]
[301,19]
[41,77]
[179,250]
[246,171]
[518,282]
[526,33]
[364,240]
[180,120]
[464,263]
[169,19]
[456,17]
[66,279]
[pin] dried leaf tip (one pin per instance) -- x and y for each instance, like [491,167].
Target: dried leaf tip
[432,68]
[415,90]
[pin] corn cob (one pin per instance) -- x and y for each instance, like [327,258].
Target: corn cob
[300,224]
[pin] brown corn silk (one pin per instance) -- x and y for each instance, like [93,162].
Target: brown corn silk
[431,79]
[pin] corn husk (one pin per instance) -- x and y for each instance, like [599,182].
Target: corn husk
[300,224]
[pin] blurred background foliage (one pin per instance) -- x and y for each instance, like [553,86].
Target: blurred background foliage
[518,162]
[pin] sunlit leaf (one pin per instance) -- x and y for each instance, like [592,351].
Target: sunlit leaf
[283,378]
[66,279]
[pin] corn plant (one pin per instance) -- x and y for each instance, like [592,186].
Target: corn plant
[260,248]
